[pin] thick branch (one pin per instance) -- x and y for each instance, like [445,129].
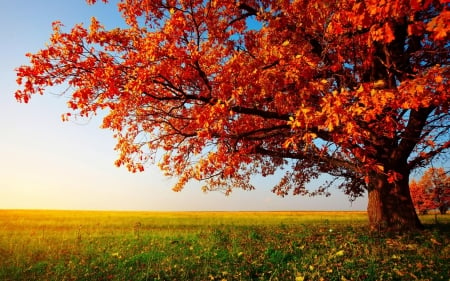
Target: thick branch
[261,113]
[413,131]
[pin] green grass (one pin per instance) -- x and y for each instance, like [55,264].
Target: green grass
[76,245]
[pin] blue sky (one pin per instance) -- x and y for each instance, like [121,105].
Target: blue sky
[49,164]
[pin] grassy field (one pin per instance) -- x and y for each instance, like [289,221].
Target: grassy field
[82,245]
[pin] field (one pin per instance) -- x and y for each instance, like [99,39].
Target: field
[84,245]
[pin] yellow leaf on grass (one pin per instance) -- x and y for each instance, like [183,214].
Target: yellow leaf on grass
[339,253]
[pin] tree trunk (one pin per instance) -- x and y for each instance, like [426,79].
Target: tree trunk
[390,206]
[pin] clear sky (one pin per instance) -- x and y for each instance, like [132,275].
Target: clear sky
[49,164]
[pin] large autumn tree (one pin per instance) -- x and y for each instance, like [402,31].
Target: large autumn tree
[228,89]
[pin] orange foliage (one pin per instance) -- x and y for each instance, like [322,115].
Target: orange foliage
[227,89]
[421,198]
[432,191]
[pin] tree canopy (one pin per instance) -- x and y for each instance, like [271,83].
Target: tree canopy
[431,191]
[228,89]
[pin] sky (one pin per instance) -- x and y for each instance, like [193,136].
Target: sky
[49,164]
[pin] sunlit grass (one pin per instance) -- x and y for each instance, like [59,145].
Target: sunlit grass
[73,245]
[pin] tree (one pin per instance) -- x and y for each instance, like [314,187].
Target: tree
[432,191]
[420,198]
[228,89]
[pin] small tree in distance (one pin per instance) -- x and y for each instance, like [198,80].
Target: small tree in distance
[421,198]
[431,191]
[355,89]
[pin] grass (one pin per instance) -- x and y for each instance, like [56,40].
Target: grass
[82,245]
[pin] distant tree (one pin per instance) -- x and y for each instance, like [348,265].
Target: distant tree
[421,198]
[355,89]
[432,191]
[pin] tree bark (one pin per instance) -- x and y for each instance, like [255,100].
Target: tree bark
[390,207]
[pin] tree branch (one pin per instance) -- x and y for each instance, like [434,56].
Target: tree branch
[413,131]
[249,12]
[418,161]
[261,113]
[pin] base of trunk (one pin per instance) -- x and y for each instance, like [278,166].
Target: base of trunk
[390,207]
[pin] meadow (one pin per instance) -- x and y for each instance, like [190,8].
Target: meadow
[300,246]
